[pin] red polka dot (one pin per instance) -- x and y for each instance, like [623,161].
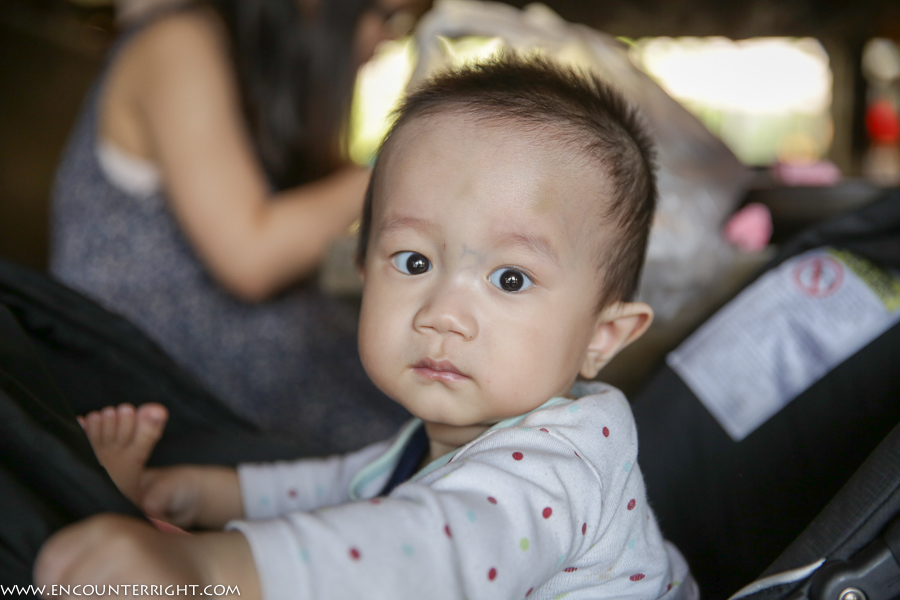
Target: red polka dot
[518,455]
[631,504]
[492,574]
[375,500]
[528,593]
[447,531]
[606,432]
[570,569]
[545,430]
[492,500]
[354,554]
[547,512]
[583,528]
[578,455]
[637,577]
[292,493]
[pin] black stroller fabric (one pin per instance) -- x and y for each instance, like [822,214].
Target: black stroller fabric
[61,355]
[48,476]
[865,509]
[733,507]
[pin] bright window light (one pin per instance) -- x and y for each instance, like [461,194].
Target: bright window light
[383,80]
[768,98]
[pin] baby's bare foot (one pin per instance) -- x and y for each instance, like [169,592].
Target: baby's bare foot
[123,438]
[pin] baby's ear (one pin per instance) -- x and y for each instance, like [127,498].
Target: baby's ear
[616,327]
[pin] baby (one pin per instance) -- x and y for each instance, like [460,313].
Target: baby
[501,245]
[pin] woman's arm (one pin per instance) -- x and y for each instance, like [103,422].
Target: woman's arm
[181,93]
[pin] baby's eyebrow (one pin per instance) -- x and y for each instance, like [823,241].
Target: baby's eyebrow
[535,244]
[396,222]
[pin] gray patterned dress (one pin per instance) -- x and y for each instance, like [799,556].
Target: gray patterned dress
[290,365]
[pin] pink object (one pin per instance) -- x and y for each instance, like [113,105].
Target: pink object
[167,527]
[819,173]
[750,229]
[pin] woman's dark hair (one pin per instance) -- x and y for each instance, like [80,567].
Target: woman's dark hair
[296,73]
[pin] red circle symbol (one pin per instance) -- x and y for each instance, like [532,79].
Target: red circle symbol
[818,276]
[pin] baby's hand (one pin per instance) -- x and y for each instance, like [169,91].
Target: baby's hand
[123,438]
[192,496]
[117,550]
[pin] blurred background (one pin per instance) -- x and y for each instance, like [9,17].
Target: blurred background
[781,83]
[804,93]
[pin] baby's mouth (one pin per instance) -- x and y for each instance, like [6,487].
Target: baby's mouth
[439,370]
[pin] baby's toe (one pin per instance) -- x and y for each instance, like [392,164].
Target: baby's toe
[108,425]
[93,427]
[126,424]
[150,423]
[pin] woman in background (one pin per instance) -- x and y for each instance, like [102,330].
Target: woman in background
[200,191]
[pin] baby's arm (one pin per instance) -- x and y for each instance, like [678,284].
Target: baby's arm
[117,550]
[483,531]
[210,496]
[277,488]
[194,496]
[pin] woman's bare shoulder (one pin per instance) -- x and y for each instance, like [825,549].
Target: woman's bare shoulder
[173,76]
[183,37]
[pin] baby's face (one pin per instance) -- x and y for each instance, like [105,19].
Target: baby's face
[481,277]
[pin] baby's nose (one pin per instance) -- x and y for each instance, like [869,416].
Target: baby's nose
[448,311]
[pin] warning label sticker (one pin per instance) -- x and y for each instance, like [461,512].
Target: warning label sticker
[783,333]
[818,276]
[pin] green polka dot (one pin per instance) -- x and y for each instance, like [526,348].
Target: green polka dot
[631,543]
[524,544]
[471,515]
[627,467]
[560,560]
[407,549]
[573,408]
[264,500]
[304,556]
[320,491]
[558,596]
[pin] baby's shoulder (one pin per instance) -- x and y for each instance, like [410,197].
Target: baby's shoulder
[598,407]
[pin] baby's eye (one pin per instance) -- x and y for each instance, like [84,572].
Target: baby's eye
[411,263]
[510,280]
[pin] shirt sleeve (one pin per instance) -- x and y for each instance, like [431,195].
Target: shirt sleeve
[272,489]
[503,517]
